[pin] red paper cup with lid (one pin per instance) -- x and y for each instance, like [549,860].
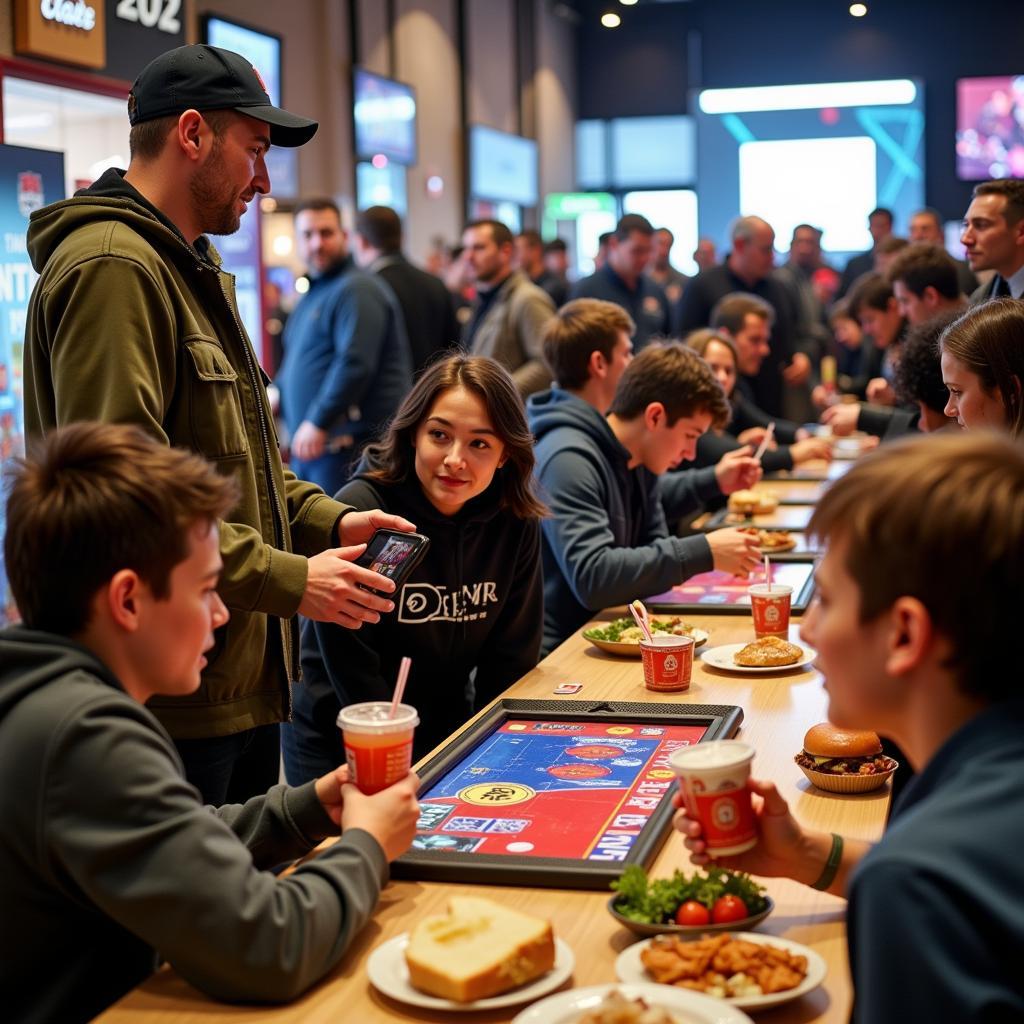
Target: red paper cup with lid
[770,607]
[713,779]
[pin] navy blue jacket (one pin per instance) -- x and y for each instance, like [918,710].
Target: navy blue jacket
[606,541]
[945,887]
[347,364]
[647,305]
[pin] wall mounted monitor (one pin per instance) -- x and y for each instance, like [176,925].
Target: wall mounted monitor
[824,154]
[990,128]
[384,118]
[636,152]
[502,166]
[262,49]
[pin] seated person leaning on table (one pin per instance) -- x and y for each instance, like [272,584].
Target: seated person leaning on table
[587,346]
[459,459]
[791,445]
[606,541]
[914,622]
[108,860]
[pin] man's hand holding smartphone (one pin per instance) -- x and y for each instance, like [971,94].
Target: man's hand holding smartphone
[341,588]
[335,591]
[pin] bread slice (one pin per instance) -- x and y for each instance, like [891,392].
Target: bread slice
[768,651]
[478,949]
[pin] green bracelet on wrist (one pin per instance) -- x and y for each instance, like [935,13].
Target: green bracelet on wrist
[827,876]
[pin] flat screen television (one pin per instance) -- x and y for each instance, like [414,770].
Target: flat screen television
[261,49]
[384,118]
[502,166]
[990,128]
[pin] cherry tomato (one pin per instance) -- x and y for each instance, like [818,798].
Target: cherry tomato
[729,908]
[693,913]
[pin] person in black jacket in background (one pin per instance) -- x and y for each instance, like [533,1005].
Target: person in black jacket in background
[720,353]
[458,460]
[427,306]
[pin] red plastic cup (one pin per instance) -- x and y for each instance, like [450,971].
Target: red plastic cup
[668,663]
[378,749]
[770,609]
[713,779]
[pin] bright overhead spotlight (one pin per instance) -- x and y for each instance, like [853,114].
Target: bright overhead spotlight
[858,10]
[627,3]
[611,20]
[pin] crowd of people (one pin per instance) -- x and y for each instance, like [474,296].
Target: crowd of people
[164,559]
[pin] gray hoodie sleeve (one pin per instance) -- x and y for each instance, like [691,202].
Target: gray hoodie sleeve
[121,829]
[579,533]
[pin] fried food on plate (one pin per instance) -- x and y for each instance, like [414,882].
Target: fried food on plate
[772,540]
[723,966]
[768,651]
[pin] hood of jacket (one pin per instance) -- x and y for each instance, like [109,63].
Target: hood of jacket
[559,419]
[31,660]
[110,197]
[555,410]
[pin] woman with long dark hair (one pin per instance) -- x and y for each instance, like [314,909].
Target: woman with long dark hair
[982,356]
[457,460]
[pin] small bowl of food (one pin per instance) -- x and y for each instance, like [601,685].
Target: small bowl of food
[844,760]
[714,900]
[623,636]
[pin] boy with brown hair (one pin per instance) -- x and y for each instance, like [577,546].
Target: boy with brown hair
[108,860]
[607,540]
[911,650]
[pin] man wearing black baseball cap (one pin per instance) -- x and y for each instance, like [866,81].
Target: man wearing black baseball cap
[133,320]
[209,78]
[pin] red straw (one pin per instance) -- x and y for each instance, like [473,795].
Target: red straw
[403,676]
[767,573]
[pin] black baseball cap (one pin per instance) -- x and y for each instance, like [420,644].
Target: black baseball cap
[201,77]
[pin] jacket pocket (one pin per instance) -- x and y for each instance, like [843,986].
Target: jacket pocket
[215,407]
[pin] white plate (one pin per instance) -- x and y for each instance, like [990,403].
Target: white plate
[695,1008]
[629,968]
[388,973]
[722,658]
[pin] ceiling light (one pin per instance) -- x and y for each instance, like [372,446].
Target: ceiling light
[611,20]
[627,3]
[807,97]
[858,10]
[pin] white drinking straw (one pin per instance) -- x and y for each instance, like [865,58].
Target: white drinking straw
[403,675]
[765,441]
[641,619]
[767,573]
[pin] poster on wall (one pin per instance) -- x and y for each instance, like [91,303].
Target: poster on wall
[29,179]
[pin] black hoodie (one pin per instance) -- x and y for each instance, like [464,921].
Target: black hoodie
[108,860]
[474,602]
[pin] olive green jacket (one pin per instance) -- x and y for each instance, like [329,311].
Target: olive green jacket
[128,323]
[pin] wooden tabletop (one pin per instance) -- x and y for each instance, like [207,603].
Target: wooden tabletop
[778,709]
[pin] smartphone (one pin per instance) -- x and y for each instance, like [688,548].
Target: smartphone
[393,554]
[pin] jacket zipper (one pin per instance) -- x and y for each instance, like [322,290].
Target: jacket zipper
[255,384]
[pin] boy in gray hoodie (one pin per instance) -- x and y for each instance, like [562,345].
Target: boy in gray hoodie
[108,860]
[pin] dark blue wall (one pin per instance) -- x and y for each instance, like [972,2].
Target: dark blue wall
[642,67]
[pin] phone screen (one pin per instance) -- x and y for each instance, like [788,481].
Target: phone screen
[388,557]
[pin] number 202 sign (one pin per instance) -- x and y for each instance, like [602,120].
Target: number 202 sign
[163,15]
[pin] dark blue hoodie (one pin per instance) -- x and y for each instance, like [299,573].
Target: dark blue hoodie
[606,541]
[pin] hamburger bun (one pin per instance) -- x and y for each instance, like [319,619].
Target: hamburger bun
[828,740]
